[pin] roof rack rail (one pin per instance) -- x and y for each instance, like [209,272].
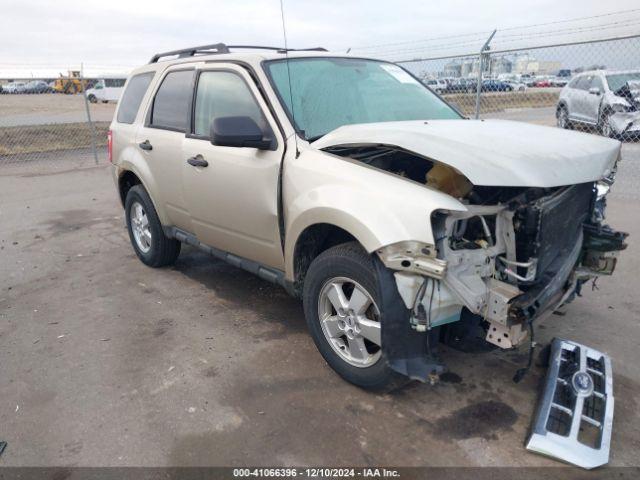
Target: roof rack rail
[219,48]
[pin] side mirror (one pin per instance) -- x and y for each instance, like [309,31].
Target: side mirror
[594,91]
[239,132]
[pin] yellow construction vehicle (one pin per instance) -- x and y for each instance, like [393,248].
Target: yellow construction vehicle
[70,83]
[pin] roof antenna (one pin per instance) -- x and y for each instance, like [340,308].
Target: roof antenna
[286,53]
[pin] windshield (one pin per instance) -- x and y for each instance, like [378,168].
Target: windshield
[330,92]
[619,80]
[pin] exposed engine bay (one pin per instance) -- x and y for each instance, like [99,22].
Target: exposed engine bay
[514,255]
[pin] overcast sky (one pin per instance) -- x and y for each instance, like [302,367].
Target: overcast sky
[113,35]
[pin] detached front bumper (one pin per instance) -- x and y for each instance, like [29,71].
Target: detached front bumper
[575,412]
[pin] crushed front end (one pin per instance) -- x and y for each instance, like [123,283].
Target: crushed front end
[516,255]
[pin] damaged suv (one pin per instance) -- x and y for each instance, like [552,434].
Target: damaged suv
[606,100]
[345,180]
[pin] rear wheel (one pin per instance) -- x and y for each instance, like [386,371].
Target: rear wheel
[92,98]
[147,237]
[342,310]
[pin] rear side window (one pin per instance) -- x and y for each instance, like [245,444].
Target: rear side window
[171,104]
[132,97]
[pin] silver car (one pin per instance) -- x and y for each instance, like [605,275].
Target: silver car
[14,87]
[603,100]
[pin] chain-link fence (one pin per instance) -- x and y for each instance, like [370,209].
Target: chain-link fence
[53,124]
[593,86]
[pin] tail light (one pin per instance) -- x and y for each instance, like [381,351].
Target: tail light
[110,146]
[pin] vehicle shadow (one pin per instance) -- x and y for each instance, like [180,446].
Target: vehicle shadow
[235,287]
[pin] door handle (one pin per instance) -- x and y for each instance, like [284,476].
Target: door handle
[146,145]
[198,161]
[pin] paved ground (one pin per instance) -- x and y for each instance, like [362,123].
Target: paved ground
[107,362]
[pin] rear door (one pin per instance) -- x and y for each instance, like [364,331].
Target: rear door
[160,140]
[233,201]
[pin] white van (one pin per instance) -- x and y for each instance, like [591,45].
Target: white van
[106,89]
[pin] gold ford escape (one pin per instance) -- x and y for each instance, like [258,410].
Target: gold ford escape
[398,222]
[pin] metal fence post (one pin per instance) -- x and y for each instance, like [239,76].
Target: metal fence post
[484,48]
[86,104]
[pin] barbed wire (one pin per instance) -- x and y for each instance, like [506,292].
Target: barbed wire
[481,36]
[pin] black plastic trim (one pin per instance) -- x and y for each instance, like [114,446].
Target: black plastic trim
[408,352]
[266,273]
[221,48]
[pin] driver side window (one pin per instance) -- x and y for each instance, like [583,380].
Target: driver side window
[597,83]
[223,94]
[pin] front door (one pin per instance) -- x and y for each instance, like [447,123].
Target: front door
[593,100]
[581,96]
[233,200]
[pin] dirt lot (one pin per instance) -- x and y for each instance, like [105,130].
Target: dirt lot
[50,108]
[107,362]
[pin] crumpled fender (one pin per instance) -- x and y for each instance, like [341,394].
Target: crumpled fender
[376,207]
[620,121]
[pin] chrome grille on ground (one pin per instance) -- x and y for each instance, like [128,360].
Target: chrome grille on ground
[575,413]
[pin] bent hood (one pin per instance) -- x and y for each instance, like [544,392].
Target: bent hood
[492,152]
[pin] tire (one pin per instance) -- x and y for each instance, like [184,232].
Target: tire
[351,263]
[92,99]
[562,117]
[605,127]
[158,250]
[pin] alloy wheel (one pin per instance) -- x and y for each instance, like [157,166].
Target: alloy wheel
[350,321]
[140,227]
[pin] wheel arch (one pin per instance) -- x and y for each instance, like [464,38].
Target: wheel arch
[561,104]
[307,242]
[129,175]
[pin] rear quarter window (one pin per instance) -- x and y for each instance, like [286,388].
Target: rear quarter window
[132,97]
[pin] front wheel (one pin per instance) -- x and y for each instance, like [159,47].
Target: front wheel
[605,125]
[563,118]
[147,237]
[342,310]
